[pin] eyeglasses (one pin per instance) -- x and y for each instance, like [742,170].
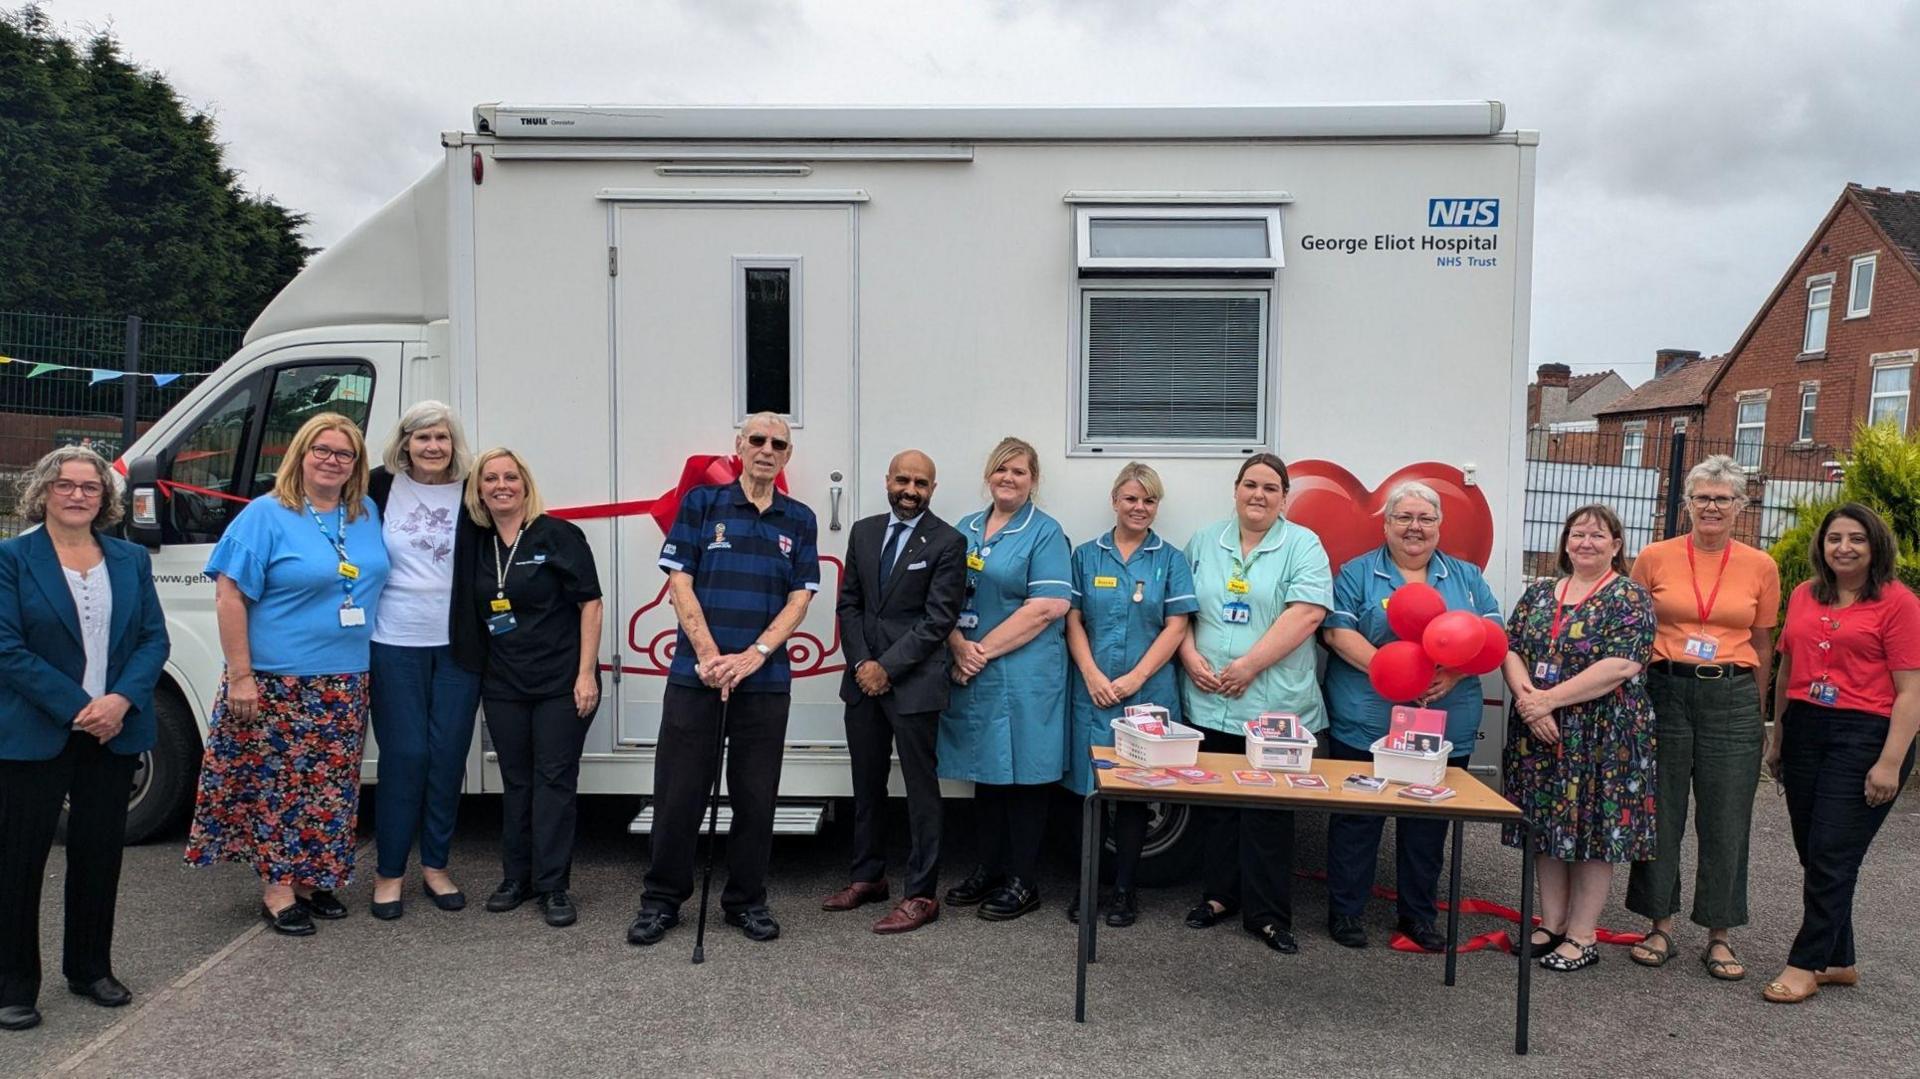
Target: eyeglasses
[779,444]
[69,488]
[1718,502]
[328,453]
[1424,520]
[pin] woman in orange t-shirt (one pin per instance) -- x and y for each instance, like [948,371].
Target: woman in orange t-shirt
[1842,743]
[1717,600]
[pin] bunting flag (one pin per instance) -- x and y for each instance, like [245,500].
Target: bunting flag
[97,375]
[103,375]
[42,368]
[161,380]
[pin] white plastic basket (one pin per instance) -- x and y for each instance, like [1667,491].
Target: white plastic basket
[1178,748]
[1281,754]
[1406,766]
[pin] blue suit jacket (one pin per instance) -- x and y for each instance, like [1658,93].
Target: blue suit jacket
[42,659]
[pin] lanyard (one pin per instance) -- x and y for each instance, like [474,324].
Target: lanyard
[1560,607]
[500,571]
[338,543]
[1705,606]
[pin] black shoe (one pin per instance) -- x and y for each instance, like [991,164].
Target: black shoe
[1073,908]
[978,886]
[19,1017]
[509,895]
[388,912]
[1422,933]
[324,905]
[557,908]
[454,900]
[1347,930]
[1016,897]
[650,925]
[1120,909]
[1276,938]
[106,992]
[755,922]
[1204,916]
[294,920]
[1589,955]
[1534,949]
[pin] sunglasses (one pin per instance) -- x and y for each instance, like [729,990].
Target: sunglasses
[779,444]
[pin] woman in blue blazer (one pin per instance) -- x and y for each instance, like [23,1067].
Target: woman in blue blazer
[82,642]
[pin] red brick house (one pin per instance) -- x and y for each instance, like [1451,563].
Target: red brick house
[1836,343]
[1637,429]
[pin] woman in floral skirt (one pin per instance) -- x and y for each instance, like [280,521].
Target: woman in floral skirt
[1579,758]
[297,576]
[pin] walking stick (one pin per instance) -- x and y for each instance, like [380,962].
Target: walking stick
[713,834]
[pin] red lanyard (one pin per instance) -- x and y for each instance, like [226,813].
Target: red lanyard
[1560,607]
[1706,607]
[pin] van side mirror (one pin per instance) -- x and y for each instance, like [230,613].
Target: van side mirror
[143,501]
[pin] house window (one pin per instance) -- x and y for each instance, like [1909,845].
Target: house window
[1178,238]
[1173,368]
[1819,299]
[1633,441]
[1809,398]
[1890,391]
[1860,286]
[1750,432]
[766,336]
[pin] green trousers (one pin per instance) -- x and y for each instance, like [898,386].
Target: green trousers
[1709,741]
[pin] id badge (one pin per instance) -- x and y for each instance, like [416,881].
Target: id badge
[976,563]
[1236,613]
[501,623]
[1237,585]
[1702,648]
[968,620]
[1825,692]
[1546,672]
[501,605]
[350,571]
[351,617]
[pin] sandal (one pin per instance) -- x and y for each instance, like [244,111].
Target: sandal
[1653,958]
[1843,977]
[1719,967]
[1781,993]
[1589,955]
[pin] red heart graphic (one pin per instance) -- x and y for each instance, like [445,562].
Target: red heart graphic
[1347,516]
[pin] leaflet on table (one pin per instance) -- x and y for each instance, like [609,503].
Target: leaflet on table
[1146,777]
[1307,781]
[1422,793]
[1250,777]
[1416,730]
[1361,783]
[1194,775]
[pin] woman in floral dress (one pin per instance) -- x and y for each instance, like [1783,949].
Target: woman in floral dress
[1579,758]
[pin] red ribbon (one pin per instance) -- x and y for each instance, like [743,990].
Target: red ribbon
[1496,939]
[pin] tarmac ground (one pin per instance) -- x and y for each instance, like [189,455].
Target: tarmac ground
[480,994]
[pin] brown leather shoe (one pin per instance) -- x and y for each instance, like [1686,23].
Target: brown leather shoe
[855,894]
[910,915]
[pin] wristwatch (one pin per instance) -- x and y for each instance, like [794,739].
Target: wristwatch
[762,649]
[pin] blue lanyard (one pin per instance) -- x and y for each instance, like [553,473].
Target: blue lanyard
[339,544]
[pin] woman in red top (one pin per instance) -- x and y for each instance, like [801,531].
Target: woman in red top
[1843,731]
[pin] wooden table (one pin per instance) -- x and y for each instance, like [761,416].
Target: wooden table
[1473,802]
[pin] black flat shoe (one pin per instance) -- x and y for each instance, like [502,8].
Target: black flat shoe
[1589,955]
[454,900]
[323,904]
[557,908]
[388,912]
[1347,930]
[1422,933]
[1204,916]
[755,922]
[106,992]
[293,920]
[1121,911]
[650,925]
[977,887]
[1534,949]
[1014,898]
[19,1017]
[1073,907]
[509,895]
[1276,938]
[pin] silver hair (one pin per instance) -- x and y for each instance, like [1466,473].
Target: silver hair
[1719,468]
[1412,489]
[418,418]
[37,480]
[767,417]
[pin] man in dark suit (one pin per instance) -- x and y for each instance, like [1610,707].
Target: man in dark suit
[905,579]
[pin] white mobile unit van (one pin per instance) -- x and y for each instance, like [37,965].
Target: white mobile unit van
[609,290]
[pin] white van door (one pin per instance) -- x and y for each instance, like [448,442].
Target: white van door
[724,309]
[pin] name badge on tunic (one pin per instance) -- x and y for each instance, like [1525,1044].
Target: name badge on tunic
[1546,672]
[1236,613]
[352,616]
[1106,582]
[968,620]
[1825,692]
[500,605]
[350,571]
[501,623]
[1702,648]
[976,563]
[1237,585]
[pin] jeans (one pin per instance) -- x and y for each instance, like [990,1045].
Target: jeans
[423,709]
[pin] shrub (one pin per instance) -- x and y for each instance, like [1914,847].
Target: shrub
[1883,472]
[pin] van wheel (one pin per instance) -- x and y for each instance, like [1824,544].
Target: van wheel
[1173,848]
[165,776]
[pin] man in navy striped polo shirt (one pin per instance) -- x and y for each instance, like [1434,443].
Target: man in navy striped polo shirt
[742,566]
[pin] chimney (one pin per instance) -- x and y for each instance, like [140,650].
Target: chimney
[1554,374]
[1552,388]
[1667,360]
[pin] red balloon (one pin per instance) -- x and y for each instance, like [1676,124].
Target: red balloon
[1493,650]
[1411,607]
[1454,638]
[1400,671]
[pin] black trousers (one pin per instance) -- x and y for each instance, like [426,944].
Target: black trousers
[1353,848]
[1010,821]
[538,743]
[96,781]
[874,727]
[683,779]
[1825,754]
[1249,853]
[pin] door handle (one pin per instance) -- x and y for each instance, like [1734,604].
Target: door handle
[833,498]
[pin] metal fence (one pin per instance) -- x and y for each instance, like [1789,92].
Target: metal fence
[95,382]
[1643,481]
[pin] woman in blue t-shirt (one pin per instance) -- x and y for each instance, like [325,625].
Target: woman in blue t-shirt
[296,579]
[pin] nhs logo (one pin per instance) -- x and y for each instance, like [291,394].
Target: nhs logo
[1463,213]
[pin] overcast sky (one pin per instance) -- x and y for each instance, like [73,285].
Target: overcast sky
[1687,149]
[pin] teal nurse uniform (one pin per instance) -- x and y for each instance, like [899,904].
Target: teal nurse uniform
[1123,604]
[1008,725]
[1240,597]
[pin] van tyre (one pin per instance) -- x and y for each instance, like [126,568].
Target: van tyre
[1174,846]
[165,777]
